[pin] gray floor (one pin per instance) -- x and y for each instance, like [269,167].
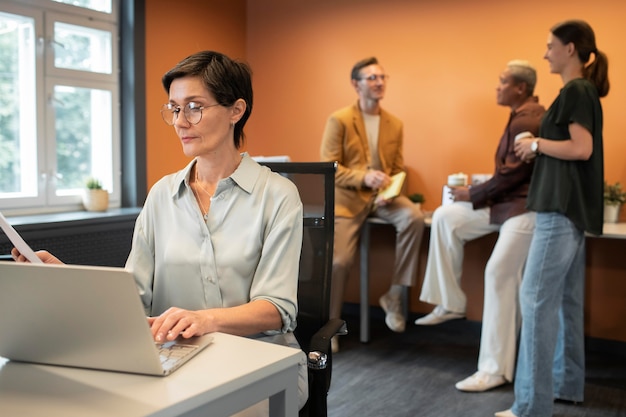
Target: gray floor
[413,374]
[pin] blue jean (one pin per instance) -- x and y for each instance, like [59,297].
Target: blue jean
[551,360]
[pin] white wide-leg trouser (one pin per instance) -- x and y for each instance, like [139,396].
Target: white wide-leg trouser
[452,226]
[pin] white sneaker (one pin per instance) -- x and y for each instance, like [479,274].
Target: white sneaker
[505,413]
[438,316]
[393,313]
[479,382]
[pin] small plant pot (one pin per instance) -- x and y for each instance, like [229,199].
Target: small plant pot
[611,213]
[96,200]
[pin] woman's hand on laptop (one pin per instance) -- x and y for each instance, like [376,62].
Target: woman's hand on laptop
[176,322]
[45,256]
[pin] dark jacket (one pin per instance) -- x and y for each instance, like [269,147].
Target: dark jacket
[507,190]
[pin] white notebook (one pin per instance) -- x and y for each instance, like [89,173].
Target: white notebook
[17,240]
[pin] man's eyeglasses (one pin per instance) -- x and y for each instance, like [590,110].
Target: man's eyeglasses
[374,77]
[192,112]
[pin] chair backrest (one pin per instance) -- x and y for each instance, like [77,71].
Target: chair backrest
[316,184]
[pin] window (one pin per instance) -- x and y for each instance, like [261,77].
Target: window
[98,5]
[59,103]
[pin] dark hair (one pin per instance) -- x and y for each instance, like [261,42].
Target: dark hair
[227,80]
[581,35]
[356,69]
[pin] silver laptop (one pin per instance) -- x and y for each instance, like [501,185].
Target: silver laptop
[82,316]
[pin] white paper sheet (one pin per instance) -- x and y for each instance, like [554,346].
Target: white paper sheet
[17,241]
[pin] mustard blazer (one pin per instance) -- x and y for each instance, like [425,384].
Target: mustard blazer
[345,141]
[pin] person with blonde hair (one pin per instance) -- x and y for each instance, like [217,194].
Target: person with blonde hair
[495,205]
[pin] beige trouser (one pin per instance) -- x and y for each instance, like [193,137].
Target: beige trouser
[408,221]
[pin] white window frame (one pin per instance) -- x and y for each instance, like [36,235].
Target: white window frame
[74,10]
[45,13]
[51,70]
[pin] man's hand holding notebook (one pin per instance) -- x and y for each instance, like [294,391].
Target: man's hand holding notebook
[393,189]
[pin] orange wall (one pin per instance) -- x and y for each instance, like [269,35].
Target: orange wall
[444,59]
[175,30]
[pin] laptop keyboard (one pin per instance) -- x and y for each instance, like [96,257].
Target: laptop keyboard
[172,352]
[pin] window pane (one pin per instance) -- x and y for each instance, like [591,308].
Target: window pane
[81,48]
[83,123]
[18,109]
[97,5]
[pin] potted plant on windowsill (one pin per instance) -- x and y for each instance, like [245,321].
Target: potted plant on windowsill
[95,198]
[614,197]
[417,198]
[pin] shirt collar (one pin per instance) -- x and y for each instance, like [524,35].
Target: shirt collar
[246,173]
[529,100]
[244,176]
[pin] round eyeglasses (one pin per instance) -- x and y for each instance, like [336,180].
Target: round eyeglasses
[372,78]
[192,112]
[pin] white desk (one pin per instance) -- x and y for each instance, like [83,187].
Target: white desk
[230,375]
[614,230]
[609,231]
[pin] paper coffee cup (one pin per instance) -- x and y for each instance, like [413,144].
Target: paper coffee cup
[524,135]
[457,180]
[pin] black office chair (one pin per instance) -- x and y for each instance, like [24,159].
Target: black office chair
[316,183]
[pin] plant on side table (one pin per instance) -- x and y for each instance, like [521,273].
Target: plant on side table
[95,198]
[417,198]
[614,197]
